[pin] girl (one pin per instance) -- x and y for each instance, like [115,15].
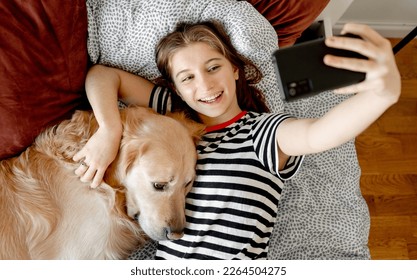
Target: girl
[246,153]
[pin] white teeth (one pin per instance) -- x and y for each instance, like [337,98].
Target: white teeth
[211,99]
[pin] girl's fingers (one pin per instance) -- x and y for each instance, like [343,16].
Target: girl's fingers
[78,156]
[365,32]
[352,64]
[98,178]
[359,46]
[372,68]
[88,175]
[382,75]
[85,172]
[81,170]
[372,44]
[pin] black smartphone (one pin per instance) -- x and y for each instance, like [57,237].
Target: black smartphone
[301,71]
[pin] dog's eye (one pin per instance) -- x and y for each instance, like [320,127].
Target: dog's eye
[160,186]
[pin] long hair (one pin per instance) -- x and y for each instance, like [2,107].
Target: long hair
[212,33]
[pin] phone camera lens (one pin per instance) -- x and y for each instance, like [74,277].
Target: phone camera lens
[292,91]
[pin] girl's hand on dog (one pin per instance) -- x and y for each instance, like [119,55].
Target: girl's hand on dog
[382,75]
[96,156]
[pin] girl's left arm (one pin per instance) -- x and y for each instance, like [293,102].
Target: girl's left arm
[380,90]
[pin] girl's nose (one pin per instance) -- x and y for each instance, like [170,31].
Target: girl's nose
[206,82]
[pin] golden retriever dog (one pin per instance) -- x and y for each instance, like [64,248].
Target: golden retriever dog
[46,212]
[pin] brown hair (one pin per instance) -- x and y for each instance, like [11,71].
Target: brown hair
[249,97]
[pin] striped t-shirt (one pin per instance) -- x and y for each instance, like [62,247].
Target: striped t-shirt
[232,207]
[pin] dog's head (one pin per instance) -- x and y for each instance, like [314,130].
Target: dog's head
[156,165]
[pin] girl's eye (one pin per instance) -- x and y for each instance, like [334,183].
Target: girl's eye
[186,79]
[213,68]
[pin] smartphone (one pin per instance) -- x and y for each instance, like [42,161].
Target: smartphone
[301,71]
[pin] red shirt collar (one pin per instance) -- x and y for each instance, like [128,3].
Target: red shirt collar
[225,124]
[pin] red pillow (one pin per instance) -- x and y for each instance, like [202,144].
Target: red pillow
[43,63]
[289,17]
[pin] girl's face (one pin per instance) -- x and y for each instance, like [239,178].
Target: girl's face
[206,81]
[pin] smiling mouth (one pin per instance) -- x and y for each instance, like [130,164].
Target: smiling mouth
[211,99]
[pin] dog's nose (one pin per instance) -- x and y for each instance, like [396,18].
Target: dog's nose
[136,217]
[173,235]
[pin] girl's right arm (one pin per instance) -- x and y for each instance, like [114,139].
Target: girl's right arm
[104,86]
[106,83]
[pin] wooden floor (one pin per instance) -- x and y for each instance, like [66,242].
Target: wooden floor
[387,153]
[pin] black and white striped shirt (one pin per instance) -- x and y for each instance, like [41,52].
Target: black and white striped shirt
[232,207]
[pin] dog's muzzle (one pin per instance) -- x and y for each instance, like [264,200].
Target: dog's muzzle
[173,235]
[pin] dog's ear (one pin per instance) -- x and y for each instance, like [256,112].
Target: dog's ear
[129,152]
[195,129]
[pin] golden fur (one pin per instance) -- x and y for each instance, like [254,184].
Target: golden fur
[46,212]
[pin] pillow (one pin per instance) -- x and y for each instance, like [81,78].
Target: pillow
[289,17]
[42,67]
[122,35]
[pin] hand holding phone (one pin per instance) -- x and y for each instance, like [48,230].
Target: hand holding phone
[301,71]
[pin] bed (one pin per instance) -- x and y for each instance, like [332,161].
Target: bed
[48,46]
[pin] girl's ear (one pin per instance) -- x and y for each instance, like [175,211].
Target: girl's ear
[236,73]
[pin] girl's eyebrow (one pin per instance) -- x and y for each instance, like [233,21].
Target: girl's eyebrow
[207,62]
